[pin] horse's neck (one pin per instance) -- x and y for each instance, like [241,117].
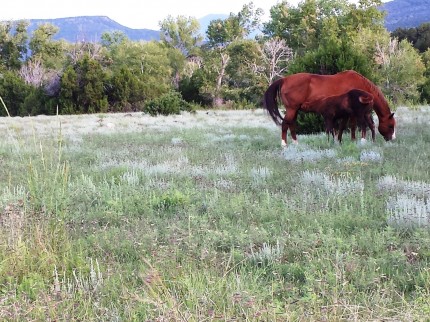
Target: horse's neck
[380,106]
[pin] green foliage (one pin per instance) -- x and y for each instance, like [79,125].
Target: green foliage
[241,78]
[169,103]
[44,48]
[13,44]
[126,91]
[221,32]
[181,33]
[37,102]
[170,201]
[418,36]
[82,88]
[14,92]
[191,89]
[308,123]
[425,87]
[402,70]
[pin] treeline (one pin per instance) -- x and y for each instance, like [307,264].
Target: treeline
[40,75]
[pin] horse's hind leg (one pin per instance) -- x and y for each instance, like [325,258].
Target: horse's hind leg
[290,118]
[293,127]
[289,122]
[284,133]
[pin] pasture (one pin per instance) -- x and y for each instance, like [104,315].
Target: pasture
[204,217]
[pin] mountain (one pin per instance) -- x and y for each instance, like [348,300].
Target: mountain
[400,13]
[406,13]
[90,28]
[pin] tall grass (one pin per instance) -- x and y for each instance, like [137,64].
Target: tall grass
[203,217]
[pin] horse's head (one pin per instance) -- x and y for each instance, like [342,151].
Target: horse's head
[387,127]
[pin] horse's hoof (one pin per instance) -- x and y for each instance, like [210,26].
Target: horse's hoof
[283,144]
[295,142]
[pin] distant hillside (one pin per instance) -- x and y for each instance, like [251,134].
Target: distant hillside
[400,13]
[90,28]
[406,13]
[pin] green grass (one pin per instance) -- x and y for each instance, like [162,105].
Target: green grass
[204,217]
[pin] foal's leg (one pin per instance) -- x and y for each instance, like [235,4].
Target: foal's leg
[342,126]
[370,124]
[365,120]
[353,126]
[329,127]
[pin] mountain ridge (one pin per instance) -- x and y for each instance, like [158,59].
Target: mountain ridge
[400,14]
[406,13]
[91,28]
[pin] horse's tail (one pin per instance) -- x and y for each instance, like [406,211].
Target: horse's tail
[270,101]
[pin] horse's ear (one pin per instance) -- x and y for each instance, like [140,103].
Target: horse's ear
[391,116]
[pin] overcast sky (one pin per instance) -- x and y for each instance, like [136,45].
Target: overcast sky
[130,13]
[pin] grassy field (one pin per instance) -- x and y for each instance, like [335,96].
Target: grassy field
[204,217]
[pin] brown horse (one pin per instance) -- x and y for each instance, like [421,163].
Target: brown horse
[294,90]
[354,104]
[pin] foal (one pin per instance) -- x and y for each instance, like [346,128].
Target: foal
[355,105]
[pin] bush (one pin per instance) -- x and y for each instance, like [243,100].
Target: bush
[169,103]
[189,87]
[13,91]
[308,123]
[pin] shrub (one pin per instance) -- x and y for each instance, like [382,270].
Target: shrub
[169,103]
[308,123]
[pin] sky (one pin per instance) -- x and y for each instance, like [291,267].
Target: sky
[138,14]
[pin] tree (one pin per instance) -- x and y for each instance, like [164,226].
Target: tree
[401,68]
[302,27]
[126,91]
[13,92]
[419,36]
[44,48]
[335,52]
[221,33]
[272,61]
[82,87]
[181,36]
[13,44]
[144,67]
[425,87]
[69,91]
[181,33]
[244,85]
